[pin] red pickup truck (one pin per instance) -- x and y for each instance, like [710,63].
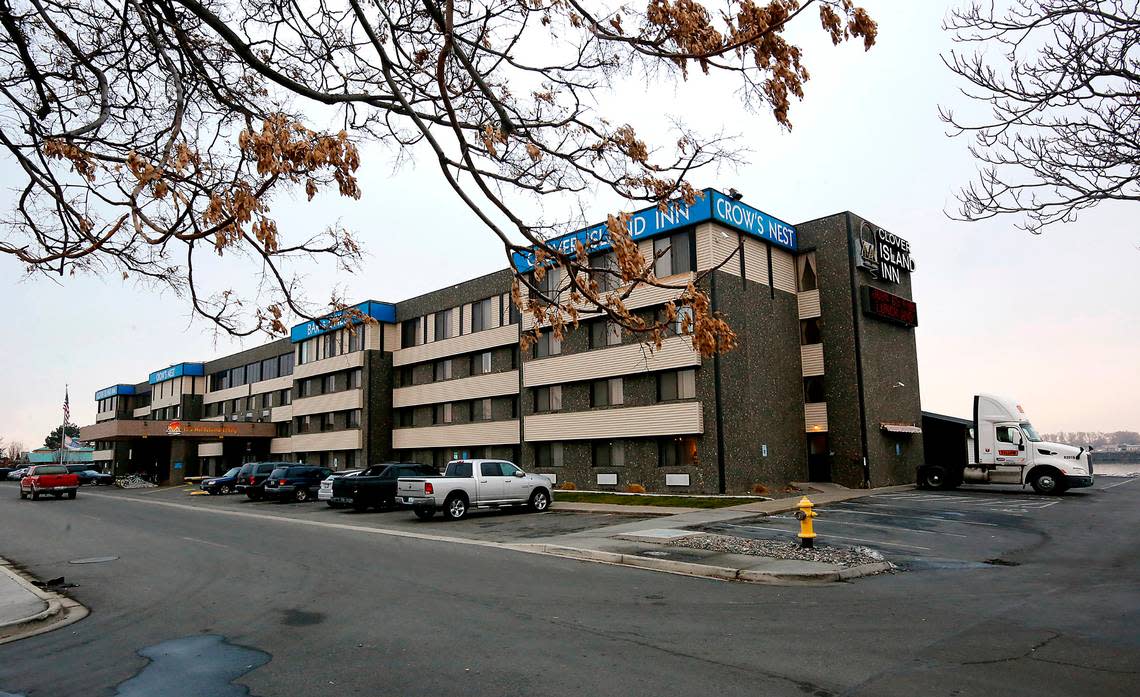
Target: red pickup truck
[49,479]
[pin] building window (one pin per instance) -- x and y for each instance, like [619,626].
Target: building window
[443,370]
[513,314]
[328,423]
[237,405]
[481,363]
[806,277]
[305,352]
[682,322]
[285,365]
[549,283]
[604,333]
[328,384]
[813,389]
[443,324]
[609,453]
[548,398]
[404,418]
[675,256]
[680,450]
[514,407]
[410,332]
[253,373]
[304,423]
[679,384]
[547,345]
[548,455]
[607,393]
[404,377]
[481,409]
[284,397]
[237,376]
[441,414]
[353,418]
[605,272]
[810,331]
[267,400]
[283,429]
[304,388]
[355,378]
[481,315]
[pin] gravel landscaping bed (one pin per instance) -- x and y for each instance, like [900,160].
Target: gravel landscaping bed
[780,549]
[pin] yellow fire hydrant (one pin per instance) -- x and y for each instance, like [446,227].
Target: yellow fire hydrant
[804,515]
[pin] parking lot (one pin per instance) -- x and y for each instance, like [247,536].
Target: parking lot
[963,528]
[506,525]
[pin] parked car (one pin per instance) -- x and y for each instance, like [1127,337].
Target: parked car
[49,479]
[295,483]
[5,471]
[17,474]
[375,487]
[95,477]
[467,484]
[224,484]
[251,478]
[325,493]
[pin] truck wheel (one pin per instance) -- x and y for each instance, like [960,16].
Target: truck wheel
[23,494]
[71,494]
[424,513]
[35,494]
[1046,482]
[933,478]
[455,507]
[539,501]
[301,494]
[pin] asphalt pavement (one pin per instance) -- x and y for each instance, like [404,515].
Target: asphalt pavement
[197,596]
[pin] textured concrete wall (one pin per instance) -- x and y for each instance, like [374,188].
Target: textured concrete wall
[376,417]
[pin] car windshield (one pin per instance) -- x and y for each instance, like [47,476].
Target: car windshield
[232,472]
[1029,431]
[50,469]
[279,472]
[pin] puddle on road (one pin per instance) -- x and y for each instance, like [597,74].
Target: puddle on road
[194,666]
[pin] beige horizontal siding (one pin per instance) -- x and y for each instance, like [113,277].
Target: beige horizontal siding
[209,449]
[430,319]
[468,343]
[675,352]
[756,261]
[496,310]
[783,270]
[465,322]
[714,245]
[141,412]
[103,455]
[809,303]
[167,401]
[643,296]
[626,422]
[277,446]
[815,416]
[474,387]
[329,365]
[321,404]
[391,337]
[811,358]
[704,246]
[229,393]
[330,440]
[472,434]
[284,413]
[271,385]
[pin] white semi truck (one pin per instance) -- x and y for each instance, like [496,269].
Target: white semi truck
[999,446]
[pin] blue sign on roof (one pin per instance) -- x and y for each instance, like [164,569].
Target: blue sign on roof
[382,312]
[177,371]
[651,222]
[113,391]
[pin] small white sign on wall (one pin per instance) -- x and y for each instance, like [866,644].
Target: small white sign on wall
[607,479]
[764,450]
[676,480]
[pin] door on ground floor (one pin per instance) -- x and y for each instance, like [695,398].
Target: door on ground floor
[819,457]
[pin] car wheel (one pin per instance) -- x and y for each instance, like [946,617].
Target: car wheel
[1046,483]
[424,513]
[455,507]
[71,494]
[301,494]
[933,478]
[35,494]
[58,495]
[539,501]
[23,494]
[226,489]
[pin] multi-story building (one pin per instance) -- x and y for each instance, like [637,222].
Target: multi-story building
[822,386]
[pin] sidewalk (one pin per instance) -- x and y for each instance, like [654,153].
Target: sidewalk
[26,610]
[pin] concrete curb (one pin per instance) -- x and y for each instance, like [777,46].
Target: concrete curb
[60,610]
[720,573]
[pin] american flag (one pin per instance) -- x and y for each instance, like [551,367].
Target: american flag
[66,407]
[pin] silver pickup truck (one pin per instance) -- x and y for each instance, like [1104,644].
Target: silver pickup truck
[468,484]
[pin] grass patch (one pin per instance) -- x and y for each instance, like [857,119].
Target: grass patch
[635,500]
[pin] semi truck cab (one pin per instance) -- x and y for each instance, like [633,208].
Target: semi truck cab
[1005,449]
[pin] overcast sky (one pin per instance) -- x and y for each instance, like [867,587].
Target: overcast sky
[1051,319]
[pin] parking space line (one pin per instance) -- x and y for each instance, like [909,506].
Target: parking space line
[837,537]
[824,524]
[1126,481]
[892,515]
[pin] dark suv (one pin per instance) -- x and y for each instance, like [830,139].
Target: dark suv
[251,478]
[295,483]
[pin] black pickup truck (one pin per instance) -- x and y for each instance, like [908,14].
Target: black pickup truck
[375,487]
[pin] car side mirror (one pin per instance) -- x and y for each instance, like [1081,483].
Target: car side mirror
[519,473]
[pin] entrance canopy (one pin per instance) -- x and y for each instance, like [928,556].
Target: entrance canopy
[126,429]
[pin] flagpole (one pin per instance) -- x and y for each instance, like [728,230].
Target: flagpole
[63,428]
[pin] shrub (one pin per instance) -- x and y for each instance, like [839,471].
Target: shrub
[567,486]
[635,489]
[759,489]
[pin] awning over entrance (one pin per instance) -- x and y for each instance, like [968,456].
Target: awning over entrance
[123,429]
[899,428]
